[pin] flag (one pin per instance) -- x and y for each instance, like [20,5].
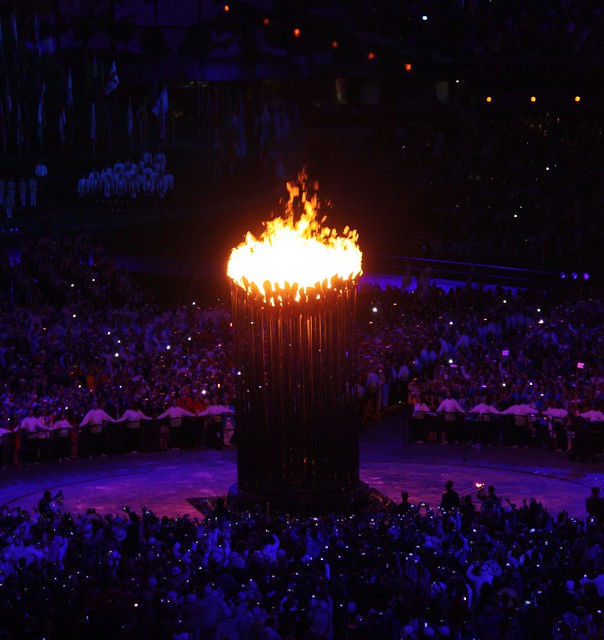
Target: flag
[140,124]
[130,121]
[20,138]
[62,122]
[112,81]
[9,100]
[36,31]
[161,110]
[13,26]
[94,70]
[161,106]
[69,100]
[93,124]
[2,128]
[47,45]
[41,113]
[108,127]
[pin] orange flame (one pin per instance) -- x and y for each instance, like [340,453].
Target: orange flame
[293,258]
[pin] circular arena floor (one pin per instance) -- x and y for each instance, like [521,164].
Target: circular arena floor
[165,482]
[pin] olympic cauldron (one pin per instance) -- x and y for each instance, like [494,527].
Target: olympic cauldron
[293,294]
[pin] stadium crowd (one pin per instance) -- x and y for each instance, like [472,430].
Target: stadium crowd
[79,340]
[545,207]
[482,570]
[479,353]
[79,336]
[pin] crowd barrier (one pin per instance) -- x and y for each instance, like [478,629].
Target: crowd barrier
[110,438]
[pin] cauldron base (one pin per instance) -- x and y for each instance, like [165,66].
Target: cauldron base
[363,499]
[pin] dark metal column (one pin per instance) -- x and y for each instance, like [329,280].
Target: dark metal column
[297,438]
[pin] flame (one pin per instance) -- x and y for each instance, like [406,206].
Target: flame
[295,258]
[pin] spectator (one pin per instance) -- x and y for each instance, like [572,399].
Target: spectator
[450,499]
[404,506]
[594,505]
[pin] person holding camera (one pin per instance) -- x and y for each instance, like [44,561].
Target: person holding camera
[47,504]
[490,503]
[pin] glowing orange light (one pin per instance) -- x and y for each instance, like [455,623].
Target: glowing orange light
[577,98]
[489,99]
[266,22]
[533,99]
[297,32]
[371,55]
[226,7]
[334,44]
[408,66]
[295,258]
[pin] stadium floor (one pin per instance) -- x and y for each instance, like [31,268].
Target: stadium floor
[165,481]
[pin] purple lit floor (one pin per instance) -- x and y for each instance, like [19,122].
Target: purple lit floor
[163,481]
